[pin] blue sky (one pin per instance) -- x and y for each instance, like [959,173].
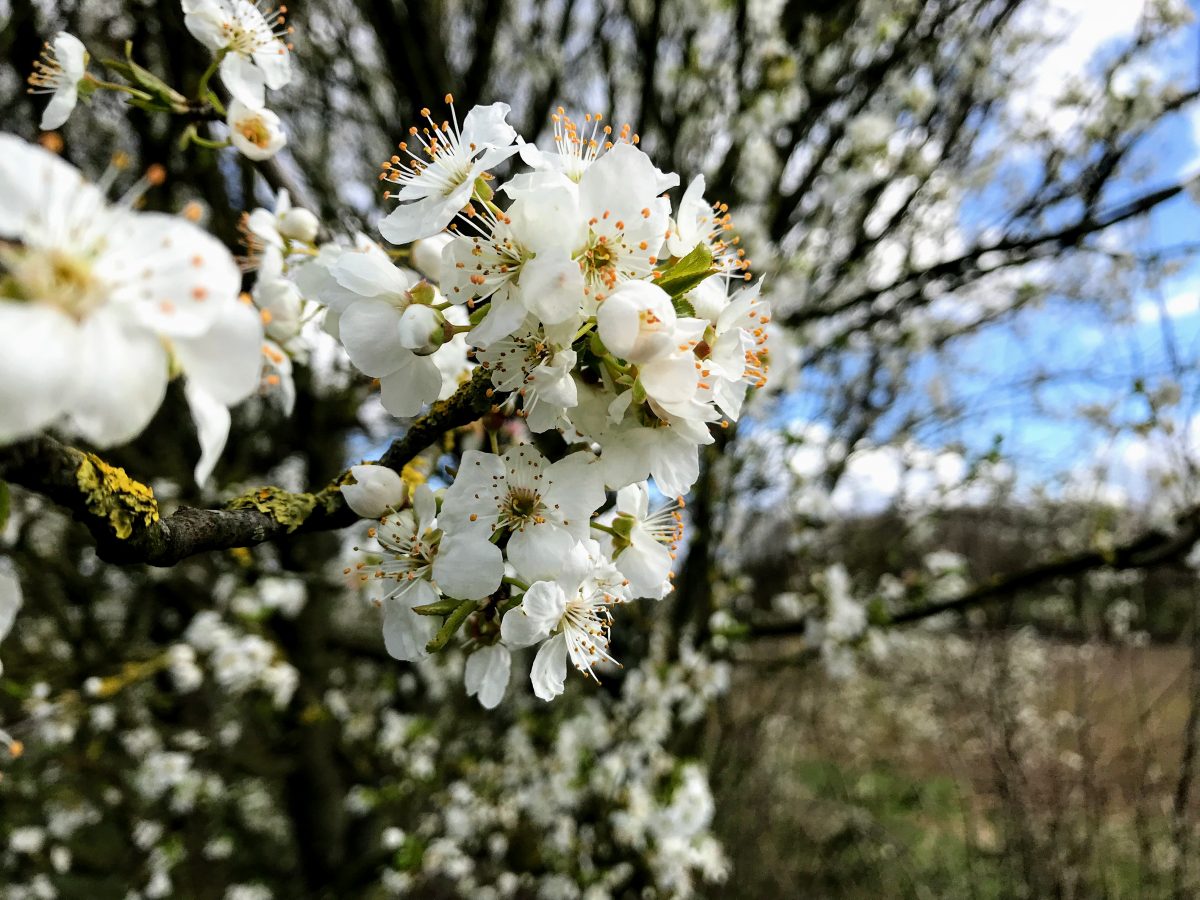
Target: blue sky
[1097,360]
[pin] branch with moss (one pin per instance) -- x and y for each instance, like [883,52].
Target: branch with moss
[124,518]
[1152,548]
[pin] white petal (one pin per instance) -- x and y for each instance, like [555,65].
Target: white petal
[634,500]
[552,287]
[39,187]
[226,360]
[424,505]
[275,63]
[376,490]
[415,382]
[670,379]
[476,474]
[123,370]
[486,674]
[544,603]
[622,183]
[549,672]
[484,126]
[405,633]
[468,566]
[39,352]
[178,277]
[59,109]
[506,313]
[371,273]
[539,612]
[577,491]
[674,463]
[212,427]
[409,222]
[206,23]
[646,564]
[370,332]
[243,79]
[549,219]
[537,551]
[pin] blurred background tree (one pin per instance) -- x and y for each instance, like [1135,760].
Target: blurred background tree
[962,241]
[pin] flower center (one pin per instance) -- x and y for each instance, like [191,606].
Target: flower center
[254,129]
[521,506]
[52,277]
[600,263]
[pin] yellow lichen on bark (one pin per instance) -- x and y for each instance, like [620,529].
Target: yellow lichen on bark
[111,494]
[283,506]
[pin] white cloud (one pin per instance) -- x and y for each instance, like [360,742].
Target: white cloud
[1183,300]
[1082,28]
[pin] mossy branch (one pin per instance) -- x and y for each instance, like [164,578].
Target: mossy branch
[125,520]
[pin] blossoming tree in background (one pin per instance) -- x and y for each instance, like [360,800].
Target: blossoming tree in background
[523,352]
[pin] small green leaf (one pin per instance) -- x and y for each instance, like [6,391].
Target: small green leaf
[451,625]
[688,272]
[5,504]
[152,83]
[684,307]
[441,608]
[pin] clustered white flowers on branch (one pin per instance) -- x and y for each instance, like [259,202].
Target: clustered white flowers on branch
[251,51]
[600,314]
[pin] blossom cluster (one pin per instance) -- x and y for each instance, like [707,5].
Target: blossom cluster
[600,313]
[251,51]
[617,327]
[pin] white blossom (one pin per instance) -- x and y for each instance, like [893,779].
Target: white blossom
[98,304]
[252,48]
[60,70]
[256,132]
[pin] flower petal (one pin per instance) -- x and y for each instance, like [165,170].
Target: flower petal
[39,353]
[370,332]
[226,360]
[243,79]
[486,674]
[549,672]
[415,382]
[405,633]
[212,428]
[468,566]
[123,371]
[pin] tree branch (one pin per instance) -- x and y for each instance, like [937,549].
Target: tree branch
[124,518]
[1149,549]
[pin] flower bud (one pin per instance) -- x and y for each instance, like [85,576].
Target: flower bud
[299,225]
[422,329]
[637,322]
[376,490]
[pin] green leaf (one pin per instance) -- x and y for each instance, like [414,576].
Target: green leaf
[684,307]
[152,83]
[688,272]
[451,625]
[5,504]
[441,608]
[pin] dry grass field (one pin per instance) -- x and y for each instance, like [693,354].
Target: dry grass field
[975,769]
